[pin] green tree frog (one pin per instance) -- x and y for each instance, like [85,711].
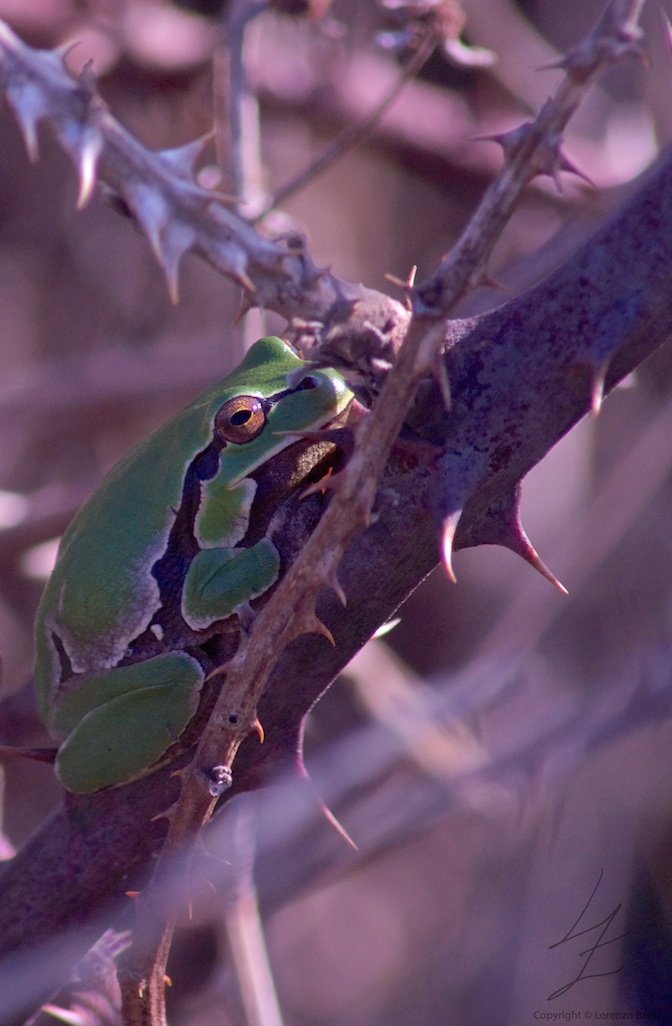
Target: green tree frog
[159,565]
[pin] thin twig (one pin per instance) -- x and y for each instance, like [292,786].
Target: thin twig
[246,933]
[243,165]
[352,135]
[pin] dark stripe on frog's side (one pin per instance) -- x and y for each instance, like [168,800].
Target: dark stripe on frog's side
[170,570]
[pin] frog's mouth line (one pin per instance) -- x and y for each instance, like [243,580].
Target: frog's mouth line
[297,468]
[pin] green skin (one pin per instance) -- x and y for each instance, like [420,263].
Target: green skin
[124,570]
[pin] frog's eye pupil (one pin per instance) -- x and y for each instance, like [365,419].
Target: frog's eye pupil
[309,382]
[240,419]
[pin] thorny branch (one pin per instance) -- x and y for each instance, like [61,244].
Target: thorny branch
[177,215]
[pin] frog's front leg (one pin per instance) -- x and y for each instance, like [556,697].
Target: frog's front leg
[221,579]
[121,721]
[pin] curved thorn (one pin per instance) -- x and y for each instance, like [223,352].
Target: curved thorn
[337,825]
[328,483]
[400,283]
[640,54]
[35,754]
[394,280]
[565,164]
[88,164]
[314,625]
[597,389]
[217,672]
[168,249]
[324,808]
[244,279]
[28,126]
[332,581]
[87,76]
[530,555]
[496,137]
[560,65]
[64,49]
[504,527]
[487,281]
[173,283]
[182,159]
[246,304]
[447,538]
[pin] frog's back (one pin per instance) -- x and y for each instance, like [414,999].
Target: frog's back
[101,593]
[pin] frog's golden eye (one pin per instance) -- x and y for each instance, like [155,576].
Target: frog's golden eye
[240,419]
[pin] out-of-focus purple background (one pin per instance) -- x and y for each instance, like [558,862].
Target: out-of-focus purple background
[504,752]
